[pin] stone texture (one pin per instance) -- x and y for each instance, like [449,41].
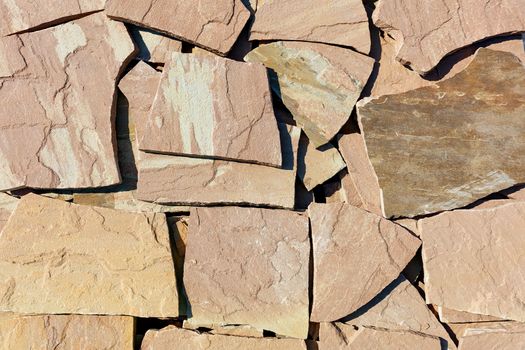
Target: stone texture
[444,143]
[7,206]
[22,15]
[212,24]
[167,338]
[254,271]
[318,83]
[409,224]
[233,330]
[483,247]
[58,89]
[51,332]
[450,25]
[213,107]
[339,22]
[153,47]
[447,315]
[85,260]
[125,200]
[493,336]
[367,251]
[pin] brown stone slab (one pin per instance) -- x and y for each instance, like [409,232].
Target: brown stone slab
[367,251]
[248,266]
[153,46]
[58,88]
[428,31]
[7,206]
[444,142]
[85,260]
[212,24]
[233,330]
[447,315]
[339,22]
[318,83]
[493,336]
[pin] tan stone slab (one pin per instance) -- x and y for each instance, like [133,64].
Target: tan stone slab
[167,338]
[58,89]
[339,22]
[491,203]
[409,224]
[212,24]
[318,83]
[22,15]
[493,336]
[482,247]
[51,332]
[517,195]
[233,330]
[85,260]
[450,25]
[125,200]
[333,192]
[447,315]
[213,107]
[248,266]
[7,206]
[444,143]
[153,46]
[367,251]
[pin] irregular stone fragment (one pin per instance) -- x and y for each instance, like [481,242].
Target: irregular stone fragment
[447,315]
[212,24]
[367,251]
[233,330]
[339,22]
[153,47]
[316,166]
[167,338]
[50,332]
[493,336]
[125,200]
[85,260]
[22,15]
[483,248]
[425,40]
[318,83]
[438,148]
[409,224]
[7,206]
[58,88]
[248,266]
[213,107]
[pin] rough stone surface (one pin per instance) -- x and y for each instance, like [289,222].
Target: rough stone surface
[58,88]
[447,315]
[167,338]
[428,31]
[249,271]
[233,330]
[125,200]
[212,24]
[367,251]
[7,206]
[66,332]
[483,247]
[153,47]
[438,148]
[85,260]
[339,22]
[493,336]
[213,107]
[318,83]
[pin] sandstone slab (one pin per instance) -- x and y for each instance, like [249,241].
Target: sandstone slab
[447,315]
[233,330]
[154,47]
[450,25]
[318,83]
[85,260]
[50,332]
[493,336]
[483,247]
[339,22]
[444,143]
[213,107]
[253,272]
[212,24]
[367,251]
[58,88]
[7,206]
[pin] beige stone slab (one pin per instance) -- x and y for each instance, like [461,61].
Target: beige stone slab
[444,142]
[248,266]
[212,24]
[339,22]
[51,332]
[483,248]
[447,315]
[493,336]
[85,260]
[367,252]
[58,88]
[167,338]
[318,83]
[125,200]
[409,224]
[213,107]
[153,46]
[233,330]
[428,31]
[7,206]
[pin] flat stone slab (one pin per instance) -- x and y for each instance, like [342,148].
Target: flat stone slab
[213,107]
[212,24]
[58,88]
[444,142]
[318,83]
[86,260]
[428,31]
[248,266]
[7,206]
[447,315]
[153,47]
[367,252]
[493,335]
[339,22]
